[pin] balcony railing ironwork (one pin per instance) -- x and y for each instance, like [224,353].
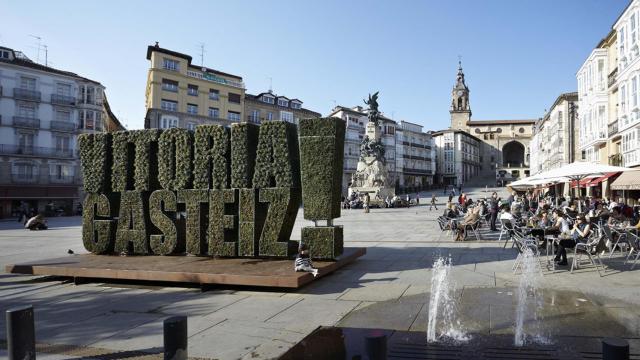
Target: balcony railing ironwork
[611,79]
[18,178]
[26,122]
[615,160]
[613,128]
[26,94]
[63,126]
[36,151]
[63,100]
[61,179]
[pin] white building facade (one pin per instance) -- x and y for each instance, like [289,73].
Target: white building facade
[593,95]
[42,111]
[628,82]
[415,157]
[458,156]
[555,140]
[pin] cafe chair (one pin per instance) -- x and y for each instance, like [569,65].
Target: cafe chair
[595,245]
[634,247]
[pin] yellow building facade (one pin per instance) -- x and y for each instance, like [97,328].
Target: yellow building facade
[181,94]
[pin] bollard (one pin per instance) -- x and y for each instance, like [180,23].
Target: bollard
[21,338]
[375,345]
[615,349]
[175,338]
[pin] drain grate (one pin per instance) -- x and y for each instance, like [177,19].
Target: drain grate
[418,351]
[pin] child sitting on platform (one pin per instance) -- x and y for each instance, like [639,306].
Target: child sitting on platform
[303,261]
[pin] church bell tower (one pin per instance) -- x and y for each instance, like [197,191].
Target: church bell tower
[460,109]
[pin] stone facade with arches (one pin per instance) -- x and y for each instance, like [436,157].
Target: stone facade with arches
[504,144]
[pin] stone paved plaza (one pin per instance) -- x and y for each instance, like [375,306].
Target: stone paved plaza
[388,288]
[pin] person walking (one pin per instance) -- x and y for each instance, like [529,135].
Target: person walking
[433,202]
[493,210]
[417,199]
[366,203]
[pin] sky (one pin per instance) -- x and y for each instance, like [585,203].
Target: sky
[518,56]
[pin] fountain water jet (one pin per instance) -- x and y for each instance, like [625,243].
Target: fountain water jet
[442,305]
[530,302]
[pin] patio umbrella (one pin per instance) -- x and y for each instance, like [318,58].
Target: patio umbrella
[580,170]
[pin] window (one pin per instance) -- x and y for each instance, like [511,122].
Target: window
[283,102]
[27,111]
[168,122]
[286,116]
[4,54]
[295,105]
[269,116]
[62,143]
[25,140]
[268,99]
[234,98]
[634,92]
[27,83]
[63,115]
[214,94]
[88,120]
[623,98]
[169,85]
[60,171]
[192,109]
[255,116]
[191,126]
[169,64]
[169,105]
[214,112]
[633,28]
[63,89]
[233,116]
[25,171]
[192,90]
[98,120]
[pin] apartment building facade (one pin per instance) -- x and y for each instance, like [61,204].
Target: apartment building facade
[415,157]
[268,106]
[628,81]
[182,94]
[42,111]
[555,141]
[457,156]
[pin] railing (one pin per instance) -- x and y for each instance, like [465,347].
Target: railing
[26,94]
[61,179]
[18,178]
[63,126]
[35,151]
[613,128]
[611,79]
[513,165]
[615,160]
[62,99]
[417,171]
[26,122]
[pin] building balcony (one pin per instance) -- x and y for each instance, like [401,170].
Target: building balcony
[61,179]
[25,94]
[615,160]
[17,178]
[36,151]
[611,79]
[25,122]
[416,171]
[613,128]
[63,100]
[66,126]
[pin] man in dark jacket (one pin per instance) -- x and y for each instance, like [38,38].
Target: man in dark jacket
[493,209]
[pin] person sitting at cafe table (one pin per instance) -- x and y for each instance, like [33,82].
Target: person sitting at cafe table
[579,233]
[616,217]
[572,210]
[506,214]
[471,218]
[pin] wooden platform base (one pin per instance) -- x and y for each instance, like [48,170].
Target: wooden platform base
[184,269]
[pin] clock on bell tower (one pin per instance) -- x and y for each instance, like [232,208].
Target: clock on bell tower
[460,109]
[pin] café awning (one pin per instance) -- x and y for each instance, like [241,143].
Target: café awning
[629,180]
[597,181]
